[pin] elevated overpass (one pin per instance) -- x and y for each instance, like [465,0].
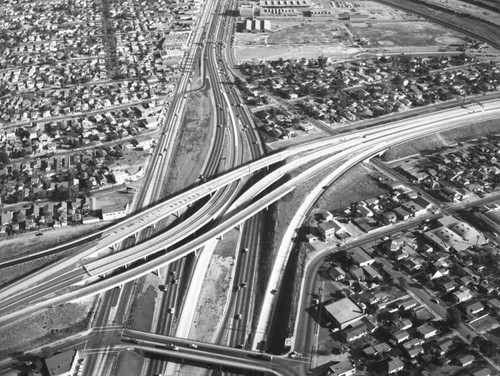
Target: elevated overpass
[371,144]
[146,338]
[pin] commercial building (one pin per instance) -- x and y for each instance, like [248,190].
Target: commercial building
[491,217]
[344,312]
[332,228]
[360,257]
[110,212]
[454,234]
[285,3]
[247,10]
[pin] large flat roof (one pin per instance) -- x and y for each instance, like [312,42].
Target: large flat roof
[344,310]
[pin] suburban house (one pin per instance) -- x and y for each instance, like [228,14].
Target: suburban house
[400,336]
[427,330]
[394,365]
[345,368]
[462,295]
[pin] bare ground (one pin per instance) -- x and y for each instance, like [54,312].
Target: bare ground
[129,363]
[193,143]
[215,288]
[45,327]
[112,199]
[141,313]
[354,186]
[442,139]
[29,243]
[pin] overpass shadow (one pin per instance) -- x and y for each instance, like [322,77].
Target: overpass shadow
[216,369]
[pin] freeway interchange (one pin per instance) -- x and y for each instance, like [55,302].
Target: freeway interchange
[364,146]
[226,205]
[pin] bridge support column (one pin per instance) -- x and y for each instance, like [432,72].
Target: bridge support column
[220,237]
[238,227]
[153,225]
[114,247]
[158,273]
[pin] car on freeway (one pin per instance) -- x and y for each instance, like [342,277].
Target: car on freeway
[293,354]
[171,310]
[243,284]
[238,316]
[173,347]
[244,250]
[193,346]
[175,281]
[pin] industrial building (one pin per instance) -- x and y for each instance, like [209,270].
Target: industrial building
[256,26]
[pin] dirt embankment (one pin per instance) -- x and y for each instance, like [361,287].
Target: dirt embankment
[193,143]
[441,139]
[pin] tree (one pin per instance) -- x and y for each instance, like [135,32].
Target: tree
[402,282]
[488,348]
[4,158]
[322,60]
[398,80]
[454,317]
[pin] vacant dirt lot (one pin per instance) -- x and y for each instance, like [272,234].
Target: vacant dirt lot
[215,288]
[46,326]
[405,34]
[354,186]
[384,27]
[193,144]
[29,243]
